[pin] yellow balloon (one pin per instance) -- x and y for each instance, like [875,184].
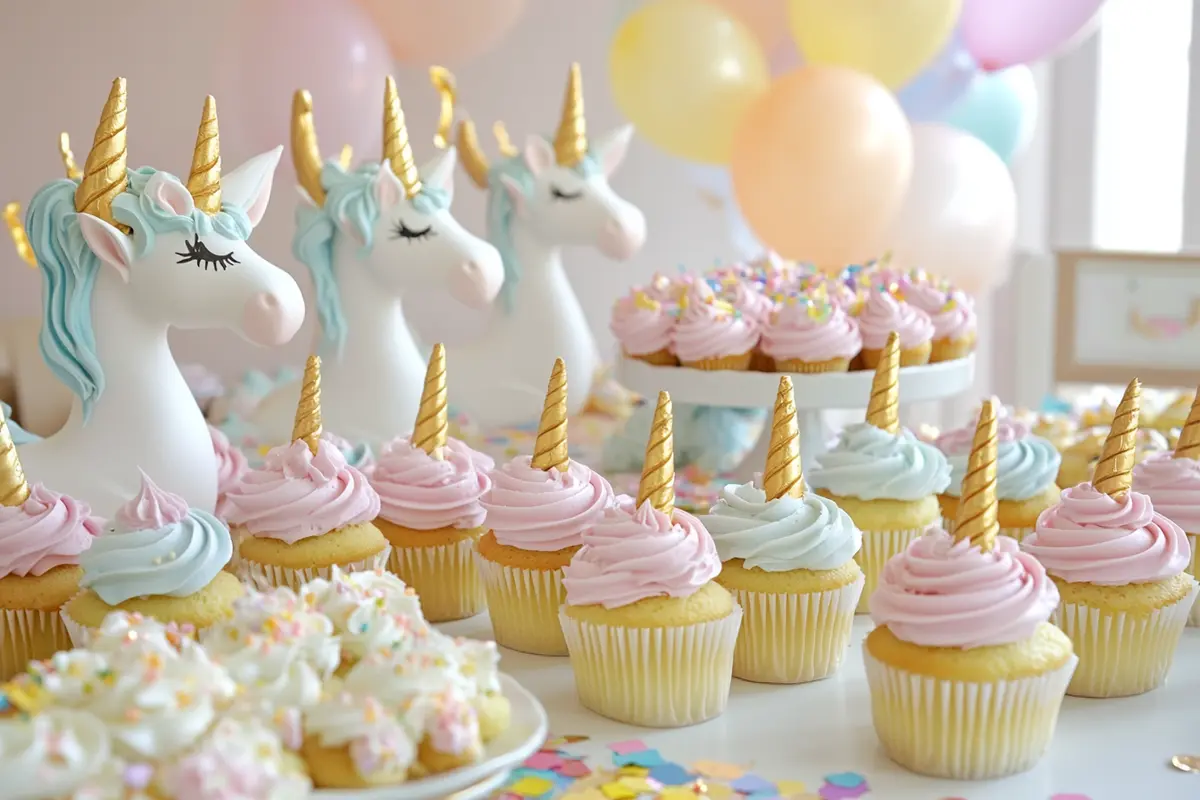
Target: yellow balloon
[683,72]
[888,39]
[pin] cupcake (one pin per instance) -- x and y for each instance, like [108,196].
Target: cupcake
[305,510]
[157,558]
[711,334]
[643,326]
[537,511]
[880,474]
[353,742]
[1174,415]
[429,487]
[1081,457]
[1026,464]
[882,315]
[42,535]
[1061,430]
[239,758]
[952,313]
[231,466]
[966,674]
[1120,568]
[745,293]
[810,335]
[55,753]
[650,635]
[788,561]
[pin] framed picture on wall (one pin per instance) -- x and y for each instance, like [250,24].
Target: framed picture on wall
[1127,315]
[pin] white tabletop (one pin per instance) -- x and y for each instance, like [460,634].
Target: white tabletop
[1103,749]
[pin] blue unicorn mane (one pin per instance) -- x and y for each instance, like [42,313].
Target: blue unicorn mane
[69,268]
[349,200]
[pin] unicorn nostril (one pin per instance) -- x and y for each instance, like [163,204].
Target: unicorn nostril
[267,320]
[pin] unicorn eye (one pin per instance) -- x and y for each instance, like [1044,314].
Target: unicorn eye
[199,253]
[402,231]
[558,194]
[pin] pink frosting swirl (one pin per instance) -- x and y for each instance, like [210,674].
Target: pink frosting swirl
[545,509]
[150,509]
[954,320]
[754,304]
[642,325]
[923,294]
[1089,537]
[629,557]
[48,530]
[708,328]
[667,288]
[1173,485]
[231,466]
[296,494]
[422,493]
[959,440]
[796,333]
[943,593]
[883,313]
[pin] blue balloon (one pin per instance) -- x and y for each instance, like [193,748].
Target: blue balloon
[941,84]
[1000,109]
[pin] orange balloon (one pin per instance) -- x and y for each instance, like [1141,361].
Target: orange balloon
[766,19]
[821,165]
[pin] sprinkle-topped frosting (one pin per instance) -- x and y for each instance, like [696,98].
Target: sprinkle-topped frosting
[711,328]
[747,298]
[371,611]
[48,530]
[1173,485]
[883,313]
[51,754]
[277,628]
[642,324]
[872,464]
[239,759]
[1027,464]
[945,593]
[231,466]
[544,509]
[377,742]
[954,319]
[1090,537]
[811,332]
[424,493]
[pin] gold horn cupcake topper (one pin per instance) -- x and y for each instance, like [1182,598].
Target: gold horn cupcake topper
[14,489]
[570,141]
[658,469]
[433,420]
[104,173]
[204,180]
[977,521]
[306,155]
[550,448]
[784,476]
[396,148]
[883,410]
[1114,471]
[1188,445]
[443,82]
[307,427]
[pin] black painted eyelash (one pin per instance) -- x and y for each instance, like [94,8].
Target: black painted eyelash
[199,253]
[558,194]
[402,231]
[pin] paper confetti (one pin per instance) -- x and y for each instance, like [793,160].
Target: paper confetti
[627,747]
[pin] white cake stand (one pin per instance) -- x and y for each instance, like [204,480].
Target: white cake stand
[814,393]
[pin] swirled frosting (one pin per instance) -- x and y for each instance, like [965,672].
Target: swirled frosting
[371,611]
[296,495]
[642,324]
[51,754]
[943,593]
[358,455]
[883,313]
[808,532]
[231,466]
[239,759]
[156,546]
[797,332]
[872,464]
[420,492]
[631,555]
[1173,485]
[922,293]
[1026,465]
[48,530]
[753,303]
[710,328]
[544,509]
[276,628]
[377,741]
[955,319]
[1091,538]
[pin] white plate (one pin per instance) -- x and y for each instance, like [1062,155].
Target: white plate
[524,736]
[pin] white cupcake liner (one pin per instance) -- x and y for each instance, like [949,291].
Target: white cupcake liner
[79,635]
[26,635]
[794,638]
[523,605]
[1193,568]
[1120,654]
[877,548]
[1012,533]
[964,730]
[265,577]
[654,677]
[444,577]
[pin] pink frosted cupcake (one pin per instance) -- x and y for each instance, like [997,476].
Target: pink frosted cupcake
[711,334]
[231,466]
[884,313]
[643,326]
[952,313]
[811,335]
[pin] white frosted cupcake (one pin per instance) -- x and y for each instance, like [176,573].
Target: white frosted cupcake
[52,754]
[239,758]
[353,742]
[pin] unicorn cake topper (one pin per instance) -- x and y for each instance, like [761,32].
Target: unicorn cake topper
[104,171]
[570,142]
[1188,445]
[433,418]
[396,149]
[658,468]
[784,474]
[883,409]
[307,426]
[1114,471]
[204,181]
[14,489]
[977,522]
[550,447]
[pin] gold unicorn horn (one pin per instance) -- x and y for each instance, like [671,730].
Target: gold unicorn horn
[883,410]
[396,148]
[68,157]
[443,82]
[104,174]
[307,427]
[14,489]
[16,228]
[550,449]
[306,155]
[471,155]
[977,521]
[433,418]
[1188,445]
[658,469]
[784,475]
[570,141]
[204,181]
[1114,471]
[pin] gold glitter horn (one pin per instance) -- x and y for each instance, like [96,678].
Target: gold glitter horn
[306,155]
[204,180]
[470,154]
[433,419]
[1188,445]
[397,150]
[307,427]
[658,469]
[883,410]
[784,475]
[104,170]
[570,140]
[1114,471]
[14,489]
[976,521]
[550,448]
[68,157]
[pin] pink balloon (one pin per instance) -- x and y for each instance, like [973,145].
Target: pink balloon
[784,58]
[1003,33]
[329,47]
[424,32]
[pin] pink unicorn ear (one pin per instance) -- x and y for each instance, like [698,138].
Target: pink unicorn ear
[538,154]
[169,195]
[110,245]
[388,190]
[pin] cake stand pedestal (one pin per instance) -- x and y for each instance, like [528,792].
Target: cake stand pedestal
[814,394]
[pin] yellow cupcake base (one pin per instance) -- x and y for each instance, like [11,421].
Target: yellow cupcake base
[268,576]
[811,367]
[440,566]
[334,768]
[30,625]
[909,357]
[951,349]
[266,563]
[737,363]
[523,604]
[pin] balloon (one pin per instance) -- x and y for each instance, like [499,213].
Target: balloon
[890,40]
[784,58]
[345,73]
[683,73]
[1003,33]
[421,32]
[1000,110]
[941,84]
[959,219]
[766,19]
[821,164]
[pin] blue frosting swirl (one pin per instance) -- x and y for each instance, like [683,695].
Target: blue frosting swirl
[872,464]
[1025,468]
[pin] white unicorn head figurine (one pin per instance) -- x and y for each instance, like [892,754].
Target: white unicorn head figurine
[125,255]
